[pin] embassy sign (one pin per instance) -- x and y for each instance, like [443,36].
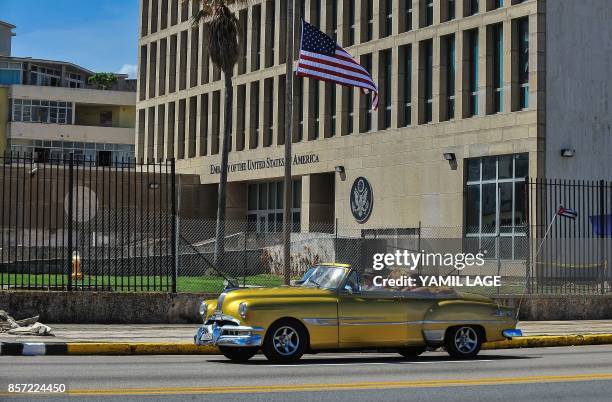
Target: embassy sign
[362,199]
[265,163]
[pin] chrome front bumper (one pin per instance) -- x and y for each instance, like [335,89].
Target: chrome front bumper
[228,335]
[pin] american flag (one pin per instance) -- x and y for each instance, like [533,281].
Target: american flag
[322,59]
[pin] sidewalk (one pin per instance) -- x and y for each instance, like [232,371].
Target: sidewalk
[173,333]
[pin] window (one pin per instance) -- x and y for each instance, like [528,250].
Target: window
[369,20]
[387,23]
[351,23]
[497,38]
[523,62]
[74,80]
[254,139]
[41,111]
[472,73]
[299,81]
[106,119]
[495,200]
[427,65]
[366,101]
[314,93]
[428,12]
[471,7]
[407,15]
[256,49]
[265,206]
[385,68]
[449,47]
[46,77]
[333,20]
[10,73]
[350,104]
[269,111]
[331,107]
[450,10]
[495,4]
[271,22]
[407,85]
[104,154]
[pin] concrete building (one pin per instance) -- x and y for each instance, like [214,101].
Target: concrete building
[474,97]
[48,107]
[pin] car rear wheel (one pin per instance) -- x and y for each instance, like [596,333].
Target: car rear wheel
[412,351]
[463,342]
[285,342]
[238,355]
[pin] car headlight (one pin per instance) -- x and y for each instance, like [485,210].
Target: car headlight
[203,309]
[242,310]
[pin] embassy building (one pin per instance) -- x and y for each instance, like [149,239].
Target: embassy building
[475,96]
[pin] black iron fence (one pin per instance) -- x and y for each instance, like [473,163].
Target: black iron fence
[68,224]
[570,255]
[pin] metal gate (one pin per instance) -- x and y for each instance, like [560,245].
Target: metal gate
[72,224]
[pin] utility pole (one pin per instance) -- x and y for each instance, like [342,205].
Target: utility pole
[288,139]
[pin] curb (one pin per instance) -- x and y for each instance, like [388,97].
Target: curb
[142,348]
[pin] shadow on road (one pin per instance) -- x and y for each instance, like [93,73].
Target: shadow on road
[364,359]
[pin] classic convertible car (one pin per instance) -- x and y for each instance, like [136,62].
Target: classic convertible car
[331,309]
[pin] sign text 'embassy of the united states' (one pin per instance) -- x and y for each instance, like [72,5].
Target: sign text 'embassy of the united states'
[265,163]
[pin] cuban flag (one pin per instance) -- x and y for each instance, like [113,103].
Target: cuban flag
[567,212]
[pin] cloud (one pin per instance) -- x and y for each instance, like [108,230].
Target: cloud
[129,69]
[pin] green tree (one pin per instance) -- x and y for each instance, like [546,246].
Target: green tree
[223,30]
[102,80]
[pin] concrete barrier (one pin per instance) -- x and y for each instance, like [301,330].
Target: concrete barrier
[80,307]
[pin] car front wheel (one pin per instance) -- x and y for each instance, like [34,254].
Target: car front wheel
[285,342]
[463,342]
[238,355]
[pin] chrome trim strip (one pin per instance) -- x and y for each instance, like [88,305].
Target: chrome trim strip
[458,321]
[321,321]
[342,323]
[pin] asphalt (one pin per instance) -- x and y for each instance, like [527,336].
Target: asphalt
[177,333]
[561,374]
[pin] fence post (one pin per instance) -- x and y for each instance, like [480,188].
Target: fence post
[174,232]
[602,234]
[70,211]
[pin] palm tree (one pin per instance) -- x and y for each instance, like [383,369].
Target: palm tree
[223,30]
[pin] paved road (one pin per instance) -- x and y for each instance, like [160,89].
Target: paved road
[184,332]
[575,373]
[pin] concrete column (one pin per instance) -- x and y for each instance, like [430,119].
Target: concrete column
[305,205]
[277,119]
[507,73]
[235,116]
[209,142]
[482,69]
[416,107]
[359,4]
[435,87]
[395,84]
[262,111]
[279,27]
[249,46]
[437,13]
[188,60]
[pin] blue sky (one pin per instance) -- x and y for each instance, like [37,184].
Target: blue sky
[100,35]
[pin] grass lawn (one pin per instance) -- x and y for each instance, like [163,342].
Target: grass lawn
[195,284]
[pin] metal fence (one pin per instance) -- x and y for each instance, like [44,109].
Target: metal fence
[570,255]
[69,224]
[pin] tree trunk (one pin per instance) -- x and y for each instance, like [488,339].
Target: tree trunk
[227,131]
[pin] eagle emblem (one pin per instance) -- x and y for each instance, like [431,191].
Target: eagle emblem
[361,200]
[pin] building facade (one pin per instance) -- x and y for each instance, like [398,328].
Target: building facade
[48,108]
[475,96]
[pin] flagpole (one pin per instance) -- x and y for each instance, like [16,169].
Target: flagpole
[288,140]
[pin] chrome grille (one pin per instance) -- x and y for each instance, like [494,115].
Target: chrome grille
[220,301]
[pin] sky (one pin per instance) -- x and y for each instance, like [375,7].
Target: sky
[100,35]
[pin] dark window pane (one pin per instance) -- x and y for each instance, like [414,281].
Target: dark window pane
[488,168]
[472,209]
[505,167]
[489,220]
[263,196]
[520,215]
[505,205]
[521,165]
[252,197]
[473,169]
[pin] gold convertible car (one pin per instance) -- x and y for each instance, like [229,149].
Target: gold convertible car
[332,309]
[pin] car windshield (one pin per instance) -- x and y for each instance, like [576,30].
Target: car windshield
[322,277]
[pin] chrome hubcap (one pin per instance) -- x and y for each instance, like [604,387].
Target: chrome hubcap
[286,341]
[466,340]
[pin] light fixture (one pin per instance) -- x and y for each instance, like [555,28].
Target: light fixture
[153,186]
[340,170]
[449,156]
[568,153]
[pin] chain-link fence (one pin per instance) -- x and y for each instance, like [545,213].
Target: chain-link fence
[257,259]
